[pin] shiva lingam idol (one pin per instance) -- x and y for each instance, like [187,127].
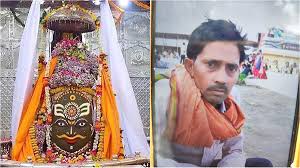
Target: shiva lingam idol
[70,120]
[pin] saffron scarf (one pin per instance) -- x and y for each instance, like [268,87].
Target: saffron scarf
[193,121]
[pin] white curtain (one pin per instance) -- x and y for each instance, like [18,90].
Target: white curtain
[49,38]
[133,136]
[25,69]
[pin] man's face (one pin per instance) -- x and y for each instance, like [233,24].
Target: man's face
[215,70]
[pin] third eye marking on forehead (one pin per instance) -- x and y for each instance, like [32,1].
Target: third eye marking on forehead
[84,109]
[58,110]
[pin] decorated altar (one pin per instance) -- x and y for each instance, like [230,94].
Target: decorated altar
[74,114]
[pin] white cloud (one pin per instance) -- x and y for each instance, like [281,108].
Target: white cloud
[279,3]
[293,28]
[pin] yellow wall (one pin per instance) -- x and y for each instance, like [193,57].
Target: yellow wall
[270,58]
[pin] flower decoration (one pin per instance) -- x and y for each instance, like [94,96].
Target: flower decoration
[70,47]
[76,65]
[86,74]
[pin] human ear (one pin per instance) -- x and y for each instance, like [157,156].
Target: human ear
[189,64]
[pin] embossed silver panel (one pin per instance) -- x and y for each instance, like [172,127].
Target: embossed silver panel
[10,33]
[136,26]
[141,88]
[6,86]
[134,39]
[135,44]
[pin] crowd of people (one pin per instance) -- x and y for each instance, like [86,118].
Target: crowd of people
[254,65]
[288,68]
[166,58]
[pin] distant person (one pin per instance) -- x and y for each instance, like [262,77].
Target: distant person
[171,54]
[165,54]
[245,72]
[157,58]
[295,68]
[182,58]
[259,67]
[256,64]
[176,55]
[250,58]
[159,63]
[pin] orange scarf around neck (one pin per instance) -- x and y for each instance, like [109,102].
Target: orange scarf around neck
[192,121]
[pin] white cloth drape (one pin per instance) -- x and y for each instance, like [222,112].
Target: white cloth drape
[49,38]
[25,69]
[133,136]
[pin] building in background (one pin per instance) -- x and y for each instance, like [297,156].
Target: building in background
[281,50]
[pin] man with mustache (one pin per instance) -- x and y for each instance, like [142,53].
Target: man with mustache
[204,121]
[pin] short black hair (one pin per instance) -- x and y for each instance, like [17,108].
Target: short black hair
[215,30]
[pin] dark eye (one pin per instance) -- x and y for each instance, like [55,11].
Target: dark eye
[61,123]
[232,68]
[211,64]
[81,123]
